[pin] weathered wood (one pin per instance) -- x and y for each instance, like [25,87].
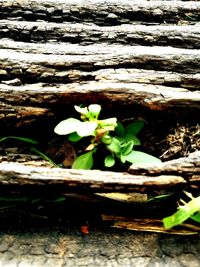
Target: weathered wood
[92,180]
[38,60]
[153,97]
[20,112]
[187,166]
[149,225]
[170,35]
[101,12]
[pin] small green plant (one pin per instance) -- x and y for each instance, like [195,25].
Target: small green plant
[118,141]
[190,210]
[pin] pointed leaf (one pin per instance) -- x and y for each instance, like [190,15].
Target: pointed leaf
[141,157]
[127,148]
[109,161]
[196,217]
[74,137]
[86,128]
[135,127]
[23,139]
[119,129]
[67,126]
[114,146]
[129,137]
[183,213]
[84,162]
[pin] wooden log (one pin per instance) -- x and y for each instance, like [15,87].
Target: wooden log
[153,97]
[170,35]
[186,166]
[93,180]
[8,112]
[101,12]
[39,61]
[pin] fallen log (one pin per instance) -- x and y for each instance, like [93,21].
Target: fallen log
[153,97]
[170,35]
[34,60]
[15,174]
[186,166]
[101,12]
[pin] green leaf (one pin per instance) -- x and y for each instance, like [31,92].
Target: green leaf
[57,200]
[67,126]
[183,213]
[74,137]
[127,148]
[86,128]
[45,157]
[109,161]
[81,110]
[114,146]
[23,139]
[106,139]
[163,196]
[84,161]
[135,127]
[94,110]
[140,157]
[108,122]
[129,137]
[196,217]
[120,129]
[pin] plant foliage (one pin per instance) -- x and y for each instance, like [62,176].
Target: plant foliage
[118,141]
[188,210]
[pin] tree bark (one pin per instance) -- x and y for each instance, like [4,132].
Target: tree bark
[33,60]
[92,180]
[101,12]
[187,166]
[170,35]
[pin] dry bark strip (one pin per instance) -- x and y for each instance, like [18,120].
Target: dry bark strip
[153,97]
[170,35]
[186,166]
[101,12]
[35,62]
[13,174]
[149,225]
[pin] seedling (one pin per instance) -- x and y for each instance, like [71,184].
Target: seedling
[118,141]
[188,210]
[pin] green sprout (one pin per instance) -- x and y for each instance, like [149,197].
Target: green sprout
[118,141]
[190,210]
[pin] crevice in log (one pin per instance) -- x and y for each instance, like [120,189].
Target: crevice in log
[102,13]
[177,36]
[153,97]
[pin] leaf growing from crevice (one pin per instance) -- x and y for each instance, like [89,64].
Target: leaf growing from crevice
[184,213]
[135,127]
[84,161]
[140,157]
[109,161]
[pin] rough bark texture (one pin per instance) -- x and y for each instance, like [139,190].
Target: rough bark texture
[101,12]
[57,55]
[170,35]
[14,173]
[186,166]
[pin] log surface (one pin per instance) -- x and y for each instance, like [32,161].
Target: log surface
[96,181]
[101,12]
